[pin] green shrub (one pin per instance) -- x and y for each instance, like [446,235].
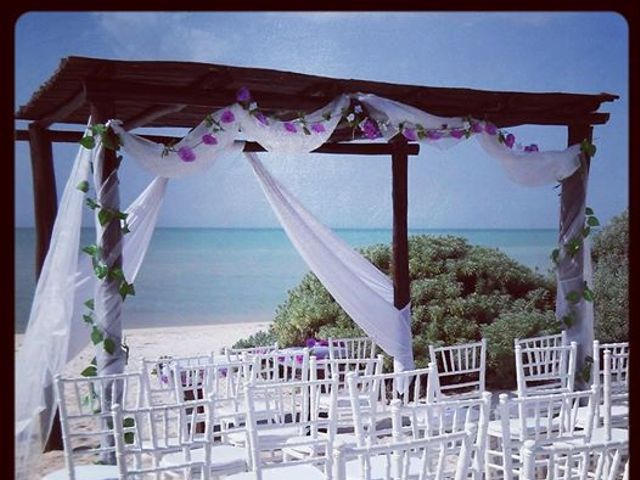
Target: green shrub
[458,291]
[611,280]
[261,338]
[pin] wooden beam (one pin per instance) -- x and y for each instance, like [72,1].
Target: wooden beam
[334,148]
[400,263]
[45,199]
[64,110]
[150,114]
[100,90]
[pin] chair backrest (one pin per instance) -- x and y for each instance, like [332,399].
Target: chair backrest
[460,369]
[544,341]
[448,416]
[156,373]
[593,461]
[619,367]
[340,368]
[434,458]
[223,380]
[295,405]
[148,432]
[85,413]
[235,354]
[371,396]
[547,418]
[611,395]
[543,370]
[280,365]
[357,347]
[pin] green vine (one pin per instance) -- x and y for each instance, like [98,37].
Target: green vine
[100,268]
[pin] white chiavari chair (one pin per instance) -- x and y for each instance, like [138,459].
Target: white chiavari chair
[156,373]
[461,369]
[357,347]
[545,370]
[86,423]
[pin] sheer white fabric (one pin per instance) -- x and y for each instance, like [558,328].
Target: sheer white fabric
[141,219]
[44,349]
[363,291]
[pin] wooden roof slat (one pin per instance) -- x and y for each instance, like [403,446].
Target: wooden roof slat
[160,84]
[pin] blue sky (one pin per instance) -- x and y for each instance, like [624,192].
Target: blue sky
[585,52]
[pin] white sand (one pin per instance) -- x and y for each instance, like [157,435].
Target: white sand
[153,343]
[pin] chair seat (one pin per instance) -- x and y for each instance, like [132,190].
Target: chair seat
[316,449]
[284,472]
[353,468]
[618,412]
[495,426]
[86,472]
[224,458]
[272,436]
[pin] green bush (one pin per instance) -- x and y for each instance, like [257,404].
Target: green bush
[611,280]
[458,291]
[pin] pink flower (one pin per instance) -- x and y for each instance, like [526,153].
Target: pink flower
[531,148]
[455,133]
[186,154]
[410,134]
[434,135]
[262,119]
[290,127]
[490,128]
[227,116]
[209,139]
[370,129]
[476,127]
[509,140]
[318,127]
[299,359]
[243,95]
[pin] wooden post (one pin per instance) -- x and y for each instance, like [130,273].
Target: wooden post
[570,270]
[45,200]
[108,302]
[400,262]
[45,203]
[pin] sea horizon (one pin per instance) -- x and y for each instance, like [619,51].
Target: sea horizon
[215,275]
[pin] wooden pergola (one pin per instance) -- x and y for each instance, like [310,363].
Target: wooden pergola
[181,94]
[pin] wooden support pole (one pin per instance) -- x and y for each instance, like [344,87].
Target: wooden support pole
[107,300]
[400,263]
[45,200]
[570,270]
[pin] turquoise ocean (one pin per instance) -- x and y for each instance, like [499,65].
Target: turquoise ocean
[196,276]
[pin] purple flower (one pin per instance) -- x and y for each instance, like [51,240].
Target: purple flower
[490,128]
[299,359]
[209,139]
[223,372]
[310,342]
[410,134]
[318,127]
[509,140]
[186,154]
[456,133]
[323,343]
[262,119]
[531,148]
[164,379]
[227,116]
[476,127]
[243,95]
[370,129]
[290,127]
[434,135]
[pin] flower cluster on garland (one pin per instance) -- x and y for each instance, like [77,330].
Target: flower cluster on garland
[354,116]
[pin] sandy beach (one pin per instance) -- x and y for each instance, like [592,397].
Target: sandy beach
[153,343]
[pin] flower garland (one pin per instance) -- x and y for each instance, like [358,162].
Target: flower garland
[354,116]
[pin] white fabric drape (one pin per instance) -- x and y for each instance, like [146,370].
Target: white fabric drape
[363,291]
[56,332]
[43,352]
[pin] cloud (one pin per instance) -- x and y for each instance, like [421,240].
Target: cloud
[160,35]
